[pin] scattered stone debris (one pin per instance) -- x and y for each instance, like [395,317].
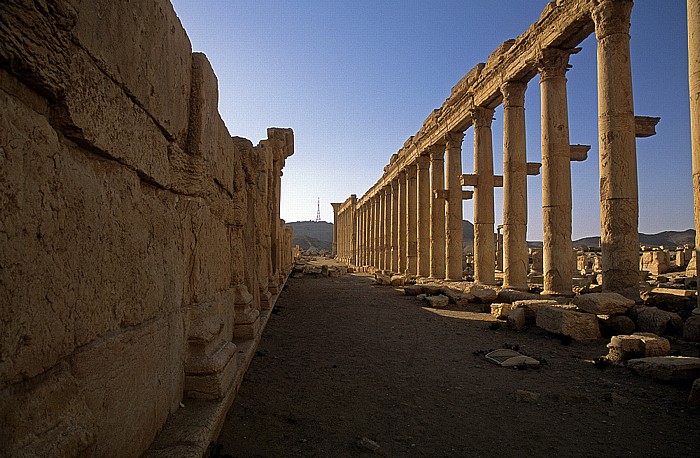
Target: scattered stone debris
[564,321]
[667,368]
[603,303]
[438,301]
[367,444]
[526,396]
[510,358]
[638,345]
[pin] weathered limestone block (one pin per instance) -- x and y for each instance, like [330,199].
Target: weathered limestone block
[560,320]
[483,294]
[131,381]
[667,368]
[500,310]
[247,316]
[603,303]
[655,262]
[49,418]
[638,345]
[456,297]
[512,295]
[531,306]
[694,396]
[437,301]
[691,269]
[516,319]
[398,280]
[412,290]
[691,329]
[657,321]
[147,52]
[616,325]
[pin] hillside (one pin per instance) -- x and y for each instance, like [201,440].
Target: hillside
[665,239]
[312,235]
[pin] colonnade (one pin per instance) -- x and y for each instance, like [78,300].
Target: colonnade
[345,230]
[415,227]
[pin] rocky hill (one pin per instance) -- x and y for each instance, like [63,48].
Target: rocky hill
[665,239]
[310,235]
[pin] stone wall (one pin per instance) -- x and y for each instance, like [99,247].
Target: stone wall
[132,225]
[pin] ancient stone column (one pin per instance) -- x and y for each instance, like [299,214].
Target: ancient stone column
[365,223]
[402,222]
[394,267]
[515,256]
[423,223]
[484,247]
[370,218]
[387,227]
[619,208]
[335,229]
[411,197]
[379,225]
[694,84]
[453,169]
[437,211]
[556,173]
[376,205]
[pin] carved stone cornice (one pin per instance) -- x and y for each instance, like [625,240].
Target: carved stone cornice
[411,170]
[423,162]
[437,152]
[612,17]
[513,94]
[482,116]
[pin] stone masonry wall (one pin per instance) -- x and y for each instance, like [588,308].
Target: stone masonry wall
[136,234]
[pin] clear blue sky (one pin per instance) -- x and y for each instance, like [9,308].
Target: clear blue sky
[355,79]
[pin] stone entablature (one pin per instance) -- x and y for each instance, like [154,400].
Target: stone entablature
[141,243]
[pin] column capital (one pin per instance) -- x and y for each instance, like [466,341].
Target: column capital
[611,17]
[402,174]
[554,62]
[394,184]
[411,170]
[482,116]
[454,139]
[513,94]
[437,152]
[423,162]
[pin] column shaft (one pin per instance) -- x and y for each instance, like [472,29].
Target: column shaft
[619,207]
[412,204]
[387,227]
[484,247]
[402,223]
[515,255]
[394,226]
[437,212]
[424,199]
[694,85]
[453,168]
[379,224]
[556,173]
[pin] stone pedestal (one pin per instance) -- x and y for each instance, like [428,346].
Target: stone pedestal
[484,247]
[437,212]
[515,256]
[556,173]
[619,209]
[453,167]
[424,199]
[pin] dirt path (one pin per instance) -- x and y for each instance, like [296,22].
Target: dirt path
[342,360]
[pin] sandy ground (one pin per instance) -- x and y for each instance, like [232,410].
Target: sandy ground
[345,365]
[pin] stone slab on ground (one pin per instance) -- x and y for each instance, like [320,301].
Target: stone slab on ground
[603,303]
[483,294]
[516,319]
[499,310]
[560,320]
[667,368]
[657,321]
[438,301]
[532,305]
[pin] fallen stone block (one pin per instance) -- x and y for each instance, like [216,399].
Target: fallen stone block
[638,345]
[616,325]
[383,279]
[691,329]
[659,322]
[333,273]
[516,319]
[398,280]
[412,290]
[560,320]
[438,301]
[432,289]
[532,305]
[512,295]
[500,310]
[483,294]
[694,396]
[457,298]
[603,303]
[666,368]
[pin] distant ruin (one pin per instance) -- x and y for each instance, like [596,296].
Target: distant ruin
[142,246]
[409,222]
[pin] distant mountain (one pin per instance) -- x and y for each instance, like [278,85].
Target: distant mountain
[311,235]
[665,239]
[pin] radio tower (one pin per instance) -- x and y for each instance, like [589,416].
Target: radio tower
[318,210]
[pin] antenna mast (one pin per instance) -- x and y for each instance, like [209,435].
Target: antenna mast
[318,210]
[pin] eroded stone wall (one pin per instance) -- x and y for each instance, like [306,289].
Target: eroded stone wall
[133,227]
